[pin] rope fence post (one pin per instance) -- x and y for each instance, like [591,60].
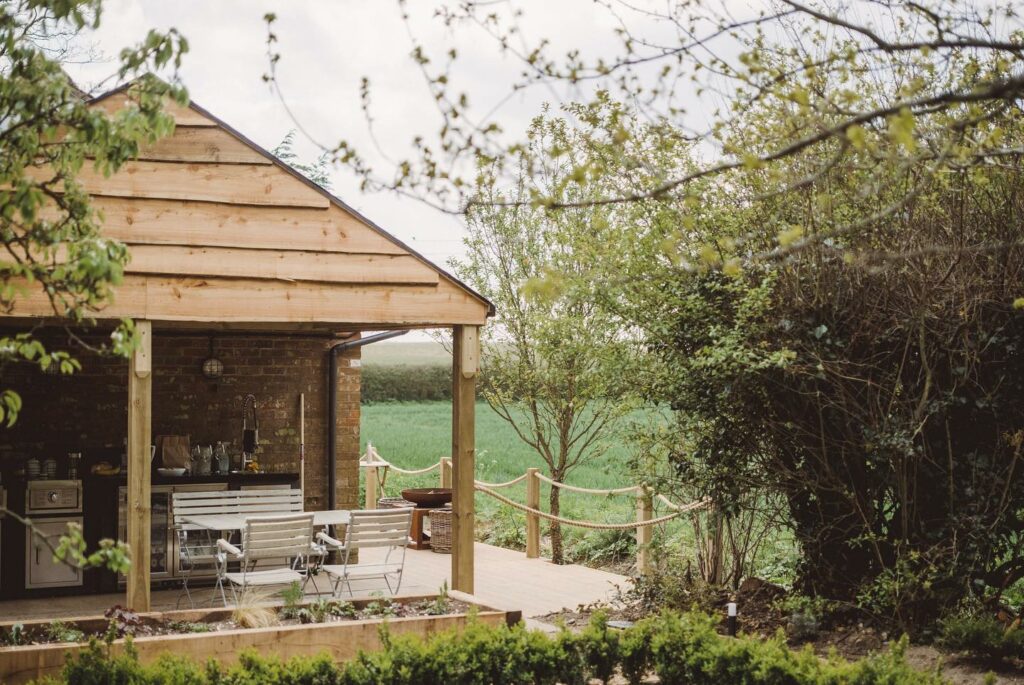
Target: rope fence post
[644,513]
[372,481]
[532,520]
[446,472]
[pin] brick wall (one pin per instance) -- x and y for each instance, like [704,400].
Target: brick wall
[87,412]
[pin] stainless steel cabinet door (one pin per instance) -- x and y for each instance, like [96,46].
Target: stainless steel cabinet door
[40,568]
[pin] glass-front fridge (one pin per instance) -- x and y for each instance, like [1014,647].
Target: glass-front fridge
[161,543]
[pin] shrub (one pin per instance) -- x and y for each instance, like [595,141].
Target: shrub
[679,648]
[506,528]
[58,631]
[981,635]
[604,546]
[805,614]
[405,383]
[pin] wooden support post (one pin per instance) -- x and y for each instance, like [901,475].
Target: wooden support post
[140,421]
[465,364]
[372,484]
[446,472]
[532,520]
[644,512]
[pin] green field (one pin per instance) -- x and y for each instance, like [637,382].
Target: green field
[414,435]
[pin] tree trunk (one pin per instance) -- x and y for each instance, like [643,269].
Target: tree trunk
[557,554]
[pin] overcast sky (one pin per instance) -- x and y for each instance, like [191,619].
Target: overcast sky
[327,46]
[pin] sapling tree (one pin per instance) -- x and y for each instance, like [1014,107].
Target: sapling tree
[552,360]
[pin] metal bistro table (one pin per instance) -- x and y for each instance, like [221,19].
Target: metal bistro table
[233,522]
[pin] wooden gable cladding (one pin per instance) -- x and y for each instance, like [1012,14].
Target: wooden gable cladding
[183,116]
[261,301]
[284,265]
[201,144]
[220,234]
[198,224]
[241,184]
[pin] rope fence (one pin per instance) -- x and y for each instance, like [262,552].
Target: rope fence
[589,491]
[494,486]
[645,521]
[413,472]
[593,525]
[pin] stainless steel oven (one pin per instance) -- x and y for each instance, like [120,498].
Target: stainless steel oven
[51,505]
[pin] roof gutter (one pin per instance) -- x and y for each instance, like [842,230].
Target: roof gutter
[332,405]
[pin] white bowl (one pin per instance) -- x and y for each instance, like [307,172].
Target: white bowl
[171,472]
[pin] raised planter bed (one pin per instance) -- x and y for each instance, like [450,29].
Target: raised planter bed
[341,639]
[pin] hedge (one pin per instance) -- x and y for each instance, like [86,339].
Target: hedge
[381,383]
[680,649]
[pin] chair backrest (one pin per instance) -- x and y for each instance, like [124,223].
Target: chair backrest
[378,528]
[277,537]
[258,502]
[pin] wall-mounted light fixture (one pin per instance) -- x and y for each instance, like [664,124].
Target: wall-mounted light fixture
[213,368]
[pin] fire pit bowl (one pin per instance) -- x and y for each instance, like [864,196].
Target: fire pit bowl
[428,498]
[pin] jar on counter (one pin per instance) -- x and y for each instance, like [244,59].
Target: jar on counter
[74,461]
[221,461]
[205,461]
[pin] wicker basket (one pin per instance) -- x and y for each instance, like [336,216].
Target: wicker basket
[394,503]
[441,531]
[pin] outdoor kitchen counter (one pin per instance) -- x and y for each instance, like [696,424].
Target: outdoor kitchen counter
[99,517]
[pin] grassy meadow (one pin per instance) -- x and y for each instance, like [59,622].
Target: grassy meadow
[415,434]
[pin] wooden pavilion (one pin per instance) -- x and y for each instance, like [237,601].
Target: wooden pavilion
[225,237]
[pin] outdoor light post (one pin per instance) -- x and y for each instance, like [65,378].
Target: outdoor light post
[731,609]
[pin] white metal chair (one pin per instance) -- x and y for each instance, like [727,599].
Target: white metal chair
[387,528]
[197,546]
[287,537]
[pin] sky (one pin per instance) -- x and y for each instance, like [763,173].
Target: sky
[327,47]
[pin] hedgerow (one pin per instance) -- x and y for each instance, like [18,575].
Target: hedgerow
[417,383]
[681,649]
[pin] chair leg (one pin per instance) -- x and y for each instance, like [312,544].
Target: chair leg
[186,593]
[310,577]
[218,586]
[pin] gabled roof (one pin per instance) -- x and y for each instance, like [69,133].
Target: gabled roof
[222,234]
[333,199]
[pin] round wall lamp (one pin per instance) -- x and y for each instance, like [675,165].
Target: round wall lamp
[213,368]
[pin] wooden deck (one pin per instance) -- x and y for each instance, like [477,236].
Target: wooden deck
[505,579]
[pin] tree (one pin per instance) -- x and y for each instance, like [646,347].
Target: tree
[872,379]
[551,360]
[48,228]
[826,283]
[317,172]
[698,67]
